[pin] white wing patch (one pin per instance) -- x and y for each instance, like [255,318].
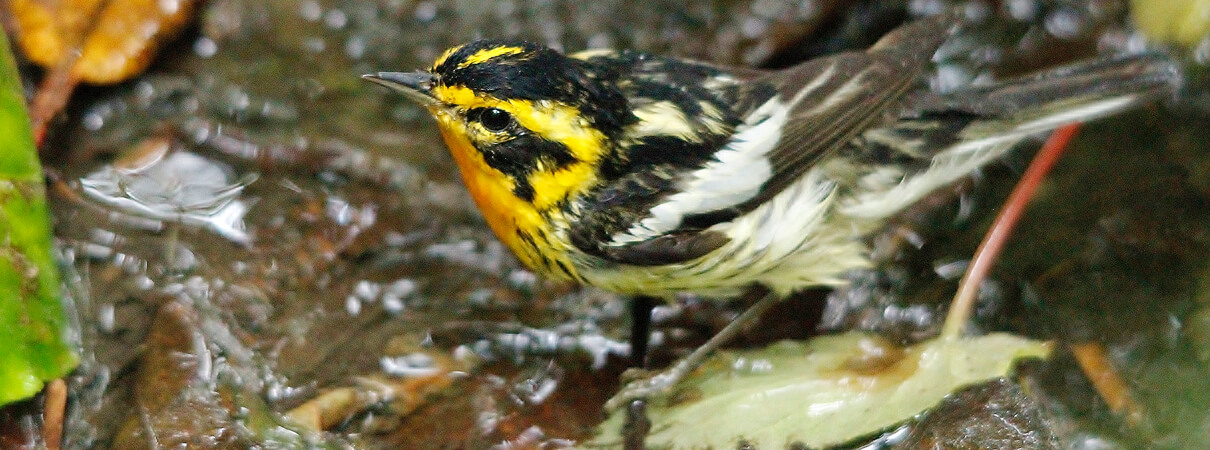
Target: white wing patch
[845,91]
[662,118]
[738,171]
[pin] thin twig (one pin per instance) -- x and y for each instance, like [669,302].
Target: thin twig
[1097,367]
[52,96]
[60,82]
[985,257]
[54,404]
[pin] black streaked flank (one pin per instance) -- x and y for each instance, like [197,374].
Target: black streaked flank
[653,151]
[526,238]
[563,267]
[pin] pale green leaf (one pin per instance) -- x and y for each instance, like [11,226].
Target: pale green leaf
[826,391]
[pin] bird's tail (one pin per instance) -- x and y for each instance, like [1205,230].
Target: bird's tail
[1075,93]
[943,137]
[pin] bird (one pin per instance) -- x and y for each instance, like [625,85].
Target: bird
[651,176]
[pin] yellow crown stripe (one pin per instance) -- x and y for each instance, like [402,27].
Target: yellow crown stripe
[487,54]
[551,120]
[444,56]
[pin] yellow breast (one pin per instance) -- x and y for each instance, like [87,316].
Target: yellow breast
[515,222]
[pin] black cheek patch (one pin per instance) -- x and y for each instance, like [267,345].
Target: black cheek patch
[519,157]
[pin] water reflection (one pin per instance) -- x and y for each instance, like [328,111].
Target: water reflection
[178,187]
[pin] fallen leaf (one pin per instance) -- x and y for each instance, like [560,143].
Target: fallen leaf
[405,391]
[1183,22]
[823,392]
[93,41]
[117,38]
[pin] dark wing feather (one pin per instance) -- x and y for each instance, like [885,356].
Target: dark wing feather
[889,71]
[830,101]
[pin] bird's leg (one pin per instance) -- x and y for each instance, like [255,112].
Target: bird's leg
[640,328]
[666,379]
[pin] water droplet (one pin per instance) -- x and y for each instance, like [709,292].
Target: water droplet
[425,11]
[169,6]
[105,317]
[355,46]
[92,121]
[310,10]
[1065,24]
[950,270]
[96,251]
[205,47]
[367,290]
[392,305]
[336,19]
[754,27]
[410,365]
[977,11]
[1201,53]
[522,279]
[315,44]
[144,91]
[402,288]
[1022,10]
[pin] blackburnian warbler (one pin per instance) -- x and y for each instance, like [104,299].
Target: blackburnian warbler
[650,175]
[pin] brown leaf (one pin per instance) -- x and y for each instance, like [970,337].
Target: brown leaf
[94,41]
[116,38]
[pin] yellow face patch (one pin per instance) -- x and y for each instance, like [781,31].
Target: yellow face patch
[550,120]
[506,214]
[525,226]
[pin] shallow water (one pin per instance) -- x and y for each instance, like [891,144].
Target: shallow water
[253,226]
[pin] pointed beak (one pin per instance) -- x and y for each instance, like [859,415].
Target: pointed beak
[416,86]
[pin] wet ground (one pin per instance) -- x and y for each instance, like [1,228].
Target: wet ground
[251,228]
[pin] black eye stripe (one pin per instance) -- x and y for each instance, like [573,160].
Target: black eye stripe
[493,119]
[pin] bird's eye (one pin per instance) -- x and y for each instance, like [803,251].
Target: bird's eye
[494,119]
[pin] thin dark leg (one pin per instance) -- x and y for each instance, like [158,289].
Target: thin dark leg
[640,328]
[664,380]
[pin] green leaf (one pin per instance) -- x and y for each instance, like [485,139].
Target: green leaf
[33,346]
[824,392]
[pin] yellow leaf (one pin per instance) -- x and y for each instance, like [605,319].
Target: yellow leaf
[1181,21]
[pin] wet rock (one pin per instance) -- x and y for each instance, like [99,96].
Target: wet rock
[995,415]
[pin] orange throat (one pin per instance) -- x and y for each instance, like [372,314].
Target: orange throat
[508,216]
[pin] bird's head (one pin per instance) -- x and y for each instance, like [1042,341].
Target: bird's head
[519,116]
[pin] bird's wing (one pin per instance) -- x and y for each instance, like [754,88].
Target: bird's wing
[778,126]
